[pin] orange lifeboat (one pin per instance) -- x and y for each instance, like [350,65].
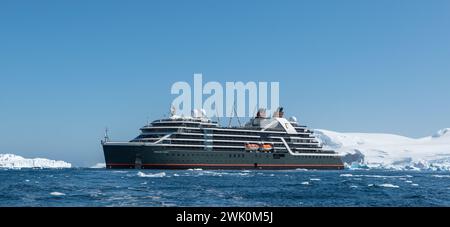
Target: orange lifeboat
[266,147]
[251,147]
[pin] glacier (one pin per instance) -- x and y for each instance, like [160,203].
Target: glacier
[12,161]
[389,151]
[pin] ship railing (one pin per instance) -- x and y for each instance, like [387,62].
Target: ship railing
[288,148]
[163,138]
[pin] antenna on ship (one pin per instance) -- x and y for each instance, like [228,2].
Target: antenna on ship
[239,120]
[232,115]
[106,139]
[217,116]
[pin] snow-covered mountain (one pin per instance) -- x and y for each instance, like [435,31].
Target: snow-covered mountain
[373,150]
[12,161]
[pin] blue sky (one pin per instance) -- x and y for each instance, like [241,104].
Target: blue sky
[70,68]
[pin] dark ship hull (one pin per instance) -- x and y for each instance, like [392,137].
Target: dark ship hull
[197,142]
[141,156]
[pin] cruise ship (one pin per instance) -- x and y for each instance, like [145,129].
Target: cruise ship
[197,142]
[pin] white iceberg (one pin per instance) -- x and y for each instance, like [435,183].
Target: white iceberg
[388,151]
[11,161]
[99,166]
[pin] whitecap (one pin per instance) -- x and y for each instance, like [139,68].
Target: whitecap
[305,183]
[389,186]
[168,204]
[57,193]
[414,184]
[212,173]
[441,176]
[314,179]
[408,181]
[237,198]
[141,174]
[382,176]
[375,176]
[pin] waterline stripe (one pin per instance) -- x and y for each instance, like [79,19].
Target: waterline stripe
[259,165]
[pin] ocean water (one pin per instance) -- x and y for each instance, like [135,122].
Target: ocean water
[101,187]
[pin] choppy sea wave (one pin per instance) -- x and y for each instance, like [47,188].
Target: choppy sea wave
[102,187]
